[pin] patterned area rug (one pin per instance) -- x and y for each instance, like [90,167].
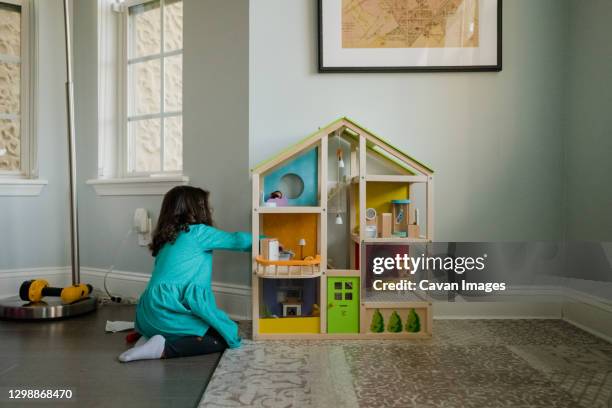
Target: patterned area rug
[468,363]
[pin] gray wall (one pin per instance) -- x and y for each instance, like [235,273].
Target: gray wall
[33,230]
[588,141]
[494,139]
[588,148]
[104,221]
[215,124]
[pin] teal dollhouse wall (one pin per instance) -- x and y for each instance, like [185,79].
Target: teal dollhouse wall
[306,168]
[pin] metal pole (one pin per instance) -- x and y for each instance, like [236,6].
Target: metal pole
[74,219]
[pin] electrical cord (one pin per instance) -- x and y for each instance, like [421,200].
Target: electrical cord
[116,299]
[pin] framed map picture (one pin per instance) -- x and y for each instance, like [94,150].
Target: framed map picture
[410,35]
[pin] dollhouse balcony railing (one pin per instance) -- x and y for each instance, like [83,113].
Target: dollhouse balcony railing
[295,269]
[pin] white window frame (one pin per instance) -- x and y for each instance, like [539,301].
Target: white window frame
[113,178]
[25,181]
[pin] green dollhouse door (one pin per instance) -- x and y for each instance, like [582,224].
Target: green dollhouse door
[343,305]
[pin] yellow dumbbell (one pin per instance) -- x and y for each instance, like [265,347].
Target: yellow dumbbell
[34,290]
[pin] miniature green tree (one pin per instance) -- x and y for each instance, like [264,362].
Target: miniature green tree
[266,311]
[395,323]
[413,324]
[378,324]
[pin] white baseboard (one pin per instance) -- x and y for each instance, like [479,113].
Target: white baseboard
[550,309]
[517,302]
[598,333]
[234,299]
[585,311]
[11,279]
[119,283]
[575,296]
[589,313]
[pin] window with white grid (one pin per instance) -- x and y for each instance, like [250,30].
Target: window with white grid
[154,87]
[14,88]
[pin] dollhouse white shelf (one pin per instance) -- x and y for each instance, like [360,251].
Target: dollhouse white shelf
[391,179]
[399,240]
[289,210]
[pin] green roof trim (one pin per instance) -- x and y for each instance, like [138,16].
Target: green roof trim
[386,156]
[382,140]
[389,159]
[302,140]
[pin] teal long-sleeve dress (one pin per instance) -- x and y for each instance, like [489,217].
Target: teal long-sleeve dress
[179,300]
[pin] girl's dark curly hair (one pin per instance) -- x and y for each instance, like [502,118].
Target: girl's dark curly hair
[182,206]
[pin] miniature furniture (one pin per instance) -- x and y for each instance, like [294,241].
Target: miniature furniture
[339,184]
[400,216]
[292,307]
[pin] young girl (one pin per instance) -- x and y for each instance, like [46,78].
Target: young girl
[177,314]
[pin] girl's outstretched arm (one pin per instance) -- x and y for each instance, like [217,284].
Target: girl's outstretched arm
[212,238]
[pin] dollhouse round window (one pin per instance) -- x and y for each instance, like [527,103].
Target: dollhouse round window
[291,185]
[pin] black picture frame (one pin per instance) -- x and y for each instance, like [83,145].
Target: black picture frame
[473,68]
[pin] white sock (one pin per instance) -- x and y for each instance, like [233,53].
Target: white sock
[151,350]
[142,340]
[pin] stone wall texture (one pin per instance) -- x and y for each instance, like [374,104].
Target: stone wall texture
[10,88]
[145,95]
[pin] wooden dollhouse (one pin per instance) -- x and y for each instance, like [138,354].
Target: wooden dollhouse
[315,205]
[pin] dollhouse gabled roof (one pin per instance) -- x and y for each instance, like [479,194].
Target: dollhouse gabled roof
[375,144]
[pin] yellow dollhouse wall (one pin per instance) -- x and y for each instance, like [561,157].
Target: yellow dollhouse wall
[290,228]
[291,325]
[379,196]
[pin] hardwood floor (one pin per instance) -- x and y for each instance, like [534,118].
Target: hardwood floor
[77,354]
